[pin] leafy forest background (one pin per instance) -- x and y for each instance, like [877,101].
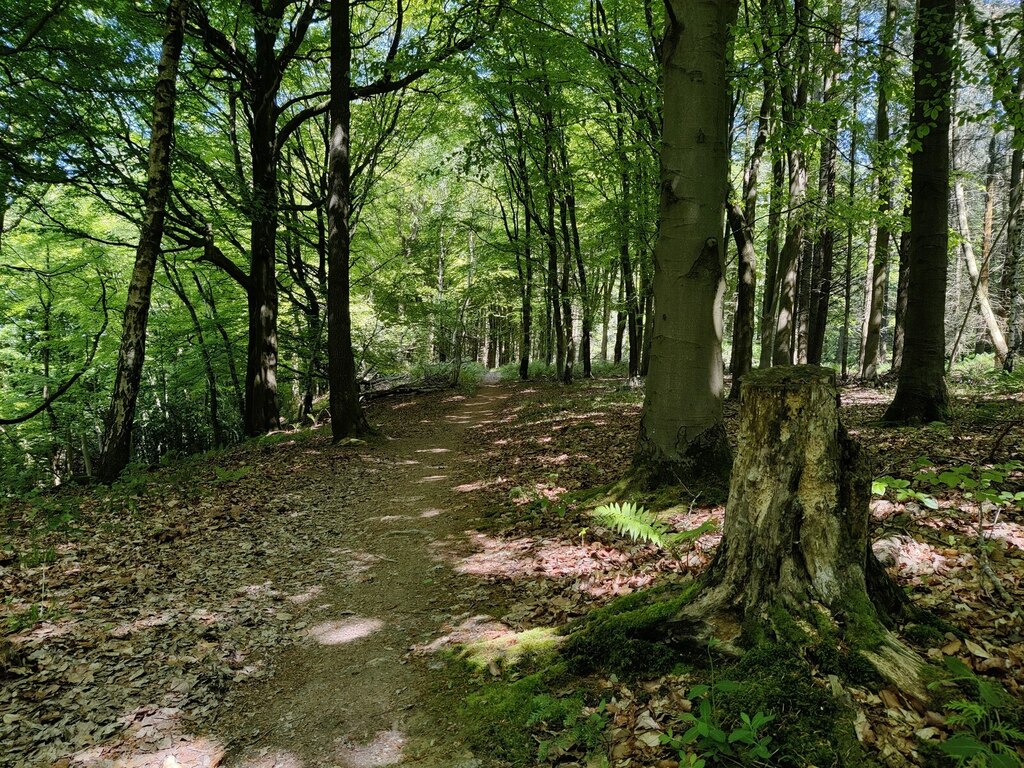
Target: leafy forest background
[499,203]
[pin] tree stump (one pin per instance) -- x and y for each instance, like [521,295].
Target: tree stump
[795,557]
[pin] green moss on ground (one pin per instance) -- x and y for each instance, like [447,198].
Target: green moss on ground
[628,636]
[811,726]
[520,723]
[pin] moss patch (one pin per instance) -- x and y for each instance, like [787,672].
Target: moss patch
[811,726]
[522,723]
[628,636]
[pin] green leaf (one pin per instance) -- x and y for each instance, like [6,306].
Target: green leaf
[963,746]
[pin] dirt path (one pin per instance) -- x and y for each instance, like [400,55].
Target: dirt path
[351,694]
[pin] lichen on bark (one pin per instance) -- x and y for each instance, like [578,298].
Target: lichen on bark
[795,550]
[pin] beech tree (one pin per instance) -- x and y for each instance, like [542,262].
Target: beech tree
[116,447]
[682,434]
[921,393]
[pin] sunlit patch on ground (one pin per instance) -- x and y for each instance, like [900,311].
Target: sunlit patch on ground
[434,450]
[915,559]
[478,485]
[304,597]
[151,739]
[385,749]
[432,479]
[272,759]
[344,631]
[487,643]
[1011,533]
[145,622]
[481,628]
[432,512]
[523,557]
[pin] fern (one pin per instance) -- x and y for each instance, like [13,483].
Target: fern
[628,519]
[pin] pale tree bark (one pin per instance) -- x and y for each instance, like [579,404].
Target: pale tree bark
[1009,289]
[682,435]
[794,103]
[741,222]
[978,284]
[116,446]
[883,234]
[899,327]
[769,296]
[921,394]
[795,546]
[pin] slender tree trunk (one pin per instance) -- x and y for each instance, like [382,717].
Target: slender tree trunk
[347,417]
[606,311]
[527,297]
[741,222]
[648,328]
[1009,289]
[794,103]
[743,325]
[921,394]
[805,280]
[620,319]
[844,337]
[627,288]
[979,285]
[116,451]
[682,434]
[769,298]
[880,267]
[821,287]
[899,321]
[586,305]
[568,364]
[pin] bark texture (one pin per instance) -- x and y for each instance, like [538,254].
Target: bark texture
[682,436]
[116,447]
[795,545]
[921,394]
[346,412]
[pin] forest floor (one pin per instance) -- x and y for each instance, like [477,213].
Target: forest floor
[291,604]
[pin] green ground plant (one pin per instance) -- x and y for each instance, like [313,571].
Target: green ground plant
[983,484]
[988,723]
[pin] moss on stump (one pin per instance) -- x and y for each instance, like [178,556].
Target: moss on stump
[795,565]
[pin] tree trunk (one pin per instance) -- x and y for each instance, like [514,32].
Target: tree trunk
[921,394]
[1009,290]
[347,417]
[741,221]
[899,322]
[116,450]
[795,539]
[770,295]
[261,410]
[621,317]
[743,325]
[606,311]
[979,286]
[682,435]
[794,103]
[880,267]
[821,281]
[526,283]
